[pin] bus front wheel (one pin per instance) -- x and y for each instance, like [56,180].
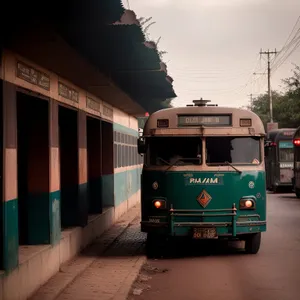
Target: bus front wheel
[252,243]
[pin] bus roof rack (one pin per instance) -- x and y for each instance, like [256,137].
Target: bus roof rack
[202,102]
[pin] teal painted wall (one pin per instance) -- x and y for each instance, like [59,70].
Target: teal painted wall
[126,184]
[115,188]
[1,237]
[126,130]
[107,190]
[11,235]
[54,217]
[44,229]
[38,219]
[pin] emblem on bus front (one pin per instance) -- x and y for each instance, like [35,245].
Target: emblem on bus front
[251,184]
[155,185]
[204,198]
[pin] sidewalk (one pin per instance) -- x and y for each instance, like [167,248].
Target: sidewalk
[105,270]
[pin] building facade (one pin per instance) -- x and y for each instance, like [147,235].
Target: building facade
[70,170]
[73,79]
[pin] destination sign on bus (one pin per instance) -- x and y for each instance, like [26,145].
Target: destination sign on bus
[206,120]
[288,133]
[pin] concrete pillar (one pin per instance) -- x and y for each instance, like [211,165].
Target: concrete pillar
[94,165]
[107,178]
[10,191]
[82,174]
[54,196]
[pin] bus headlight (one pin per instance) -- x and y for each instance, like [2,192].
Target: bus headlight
[159,204]
[247,203]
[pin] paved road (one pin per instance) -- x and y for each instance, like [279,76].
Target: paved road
[272,274]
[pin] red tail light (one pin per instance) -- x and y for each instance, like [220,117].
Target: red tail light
[296,142]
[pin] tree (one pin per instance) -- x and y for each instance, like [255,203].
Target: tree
[292,84]
[286,105]
[145,24]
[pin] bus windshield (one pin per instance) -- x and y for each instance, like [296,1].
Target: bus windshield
[174,150]
[286,151]
[235,150]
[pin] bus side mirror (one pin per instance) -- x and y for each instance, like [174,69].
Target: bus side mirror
[141,145]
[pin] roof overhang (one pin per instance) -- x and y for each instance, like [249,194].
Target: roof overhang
[99,46]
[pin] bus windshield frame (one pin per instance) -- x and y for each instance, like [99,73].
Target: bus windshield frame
[236,150]
[175,150]
[187,150]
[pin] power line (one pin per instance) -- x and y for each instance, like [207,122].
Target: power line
[298,20]
[283,54]
[296,44]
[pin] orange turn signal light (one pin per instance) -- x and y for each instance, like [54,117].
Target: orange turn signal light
[247,204]
[157,204]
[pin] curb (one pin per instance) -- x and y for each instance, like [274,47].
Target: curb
[123,292]
[55,286]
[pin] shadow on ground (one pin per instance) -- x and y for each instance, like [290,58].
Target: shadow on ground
[191,248]
[132,243]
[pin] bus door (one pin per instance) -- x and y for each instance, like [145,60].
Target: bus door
[286,161]
[270,162]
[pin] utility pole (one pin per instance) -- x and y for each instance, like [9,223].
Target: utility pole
[268,53]
[251,101]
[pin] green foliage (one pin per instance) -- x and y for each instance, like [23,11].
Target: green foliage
[286,105]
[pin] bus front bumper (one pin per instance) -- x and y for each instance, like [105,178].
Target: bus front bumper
[177,223]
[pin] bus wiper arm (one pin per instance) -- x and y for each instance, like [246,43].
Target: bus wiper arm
[164,161]
[232,166]
[179,159]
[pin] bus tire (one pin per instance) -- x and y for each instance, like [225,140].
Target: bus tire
[297,192]
[252,243]
[155,245]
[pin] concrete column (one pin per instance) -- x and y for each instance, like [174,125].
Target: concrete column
[94,165]
[10,190]
[54,196]
[107,178]
[82,165]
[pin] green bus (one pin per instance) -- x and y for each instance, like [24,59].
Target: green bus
[279,158]
[296,163]
[203,175]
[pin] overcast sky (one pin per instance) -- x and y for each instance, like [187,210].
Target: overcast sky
[213,45]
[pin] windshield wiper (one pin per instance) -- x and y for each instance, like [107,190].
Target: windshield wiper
[232,166]
[182,158]
[164,161]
